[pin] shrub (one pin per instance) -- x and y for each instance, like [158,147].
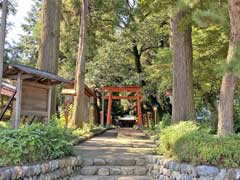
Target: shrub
[87,128]
[3,125]
[155,131]
[166,120]
[187,142]
[36,142]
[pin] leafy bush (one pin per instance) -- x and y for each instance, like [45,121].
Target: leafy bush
[236,116]
[36,142]
[155,131]
[87,128]
[3,125]
[187,142]
[166,120]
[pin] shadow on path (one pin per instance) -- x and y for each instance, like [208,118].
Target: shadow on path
[116,143]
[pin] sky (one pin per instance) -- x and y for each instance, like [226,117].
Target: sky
[23,7]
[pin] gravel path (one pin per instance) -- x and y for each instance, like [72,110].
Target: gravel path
[122,142]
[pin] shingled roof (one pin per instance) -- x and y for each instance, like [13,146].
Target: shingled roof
[32,74]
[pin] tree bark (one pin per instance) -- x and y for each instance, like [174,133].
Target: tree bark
[2,39]
[183,106]
[50,37]
[137,59]
[79,100]
[229,81]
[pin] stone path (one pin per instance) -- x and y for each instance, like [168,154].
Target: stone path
[123,142]
[117,154]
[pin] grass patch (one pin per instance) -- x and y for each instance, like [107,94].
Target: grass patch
[87,129]
[187,142]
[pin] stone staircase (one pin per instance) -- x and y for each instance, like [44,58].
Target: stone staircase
[113,169]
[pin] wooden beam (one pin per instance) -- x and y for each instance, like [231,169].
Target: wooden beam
[18,107]
[73,92]
[49,103]
[36,113]
[121,89]
[6,92]
[7,105]
[123,97]
[24,76]
[36,85]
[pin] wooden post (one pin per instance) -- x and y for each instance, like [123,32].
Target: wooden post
[67,114]
[91,114]
[146,120]
[140,124]
[149,119]
[18,107]
[101,118]
[49,103]
[109,121]
[102,115]
[155,115]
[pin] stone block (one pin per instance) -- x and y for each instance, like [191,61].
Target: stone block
[204,170]
[140,171]
[126,162]
[99,162]
[140,162]
[115,171]
[88,170]
[87,162]
[103,172]
[127,171]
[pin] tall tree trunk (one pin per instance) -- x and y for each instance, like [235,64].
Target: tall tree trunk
[79,100]
[2,39]
[183,106]
[229,81]
[137,60]
[50,35]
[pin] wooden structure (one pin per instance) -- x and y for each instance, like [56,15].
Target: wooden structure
[8,91]
[90,99]
[33,91]
[132,89]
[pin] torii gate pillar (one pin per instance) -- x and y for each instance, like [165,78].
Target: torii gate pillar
[109,120]
[139,111]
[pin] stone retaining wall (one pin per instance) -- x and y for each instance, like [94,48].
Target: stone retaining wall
[163,169]
[60,169]
[54,169]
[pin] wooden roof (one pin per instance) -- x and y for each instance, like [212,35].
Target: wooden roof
[69,90]
[32,74]
[7,89]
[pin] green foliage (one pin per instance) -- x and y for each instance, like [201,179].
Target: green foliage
[212,15]
[36,142]
[4,124]
[236,115]
[164,123]
[187,142]
[87,129]
[166,120]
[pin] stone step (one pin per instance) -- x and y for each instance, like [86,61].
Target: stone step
[115,162]
[114,170]
[80,177]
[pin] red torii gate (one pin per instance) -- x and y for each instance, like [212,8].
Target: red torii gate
[110,97]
